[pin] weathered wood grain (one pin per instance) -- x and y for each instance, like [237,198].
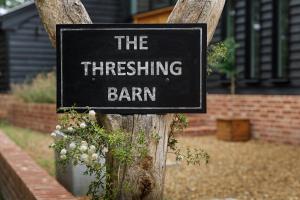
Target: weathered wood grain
[54,12]
[198,11]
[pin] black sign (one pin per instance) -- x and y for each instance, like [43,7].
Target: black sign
[130,68]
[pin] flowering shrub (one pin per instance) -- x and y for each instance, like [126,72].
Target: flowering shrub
[79,139]
[195,156]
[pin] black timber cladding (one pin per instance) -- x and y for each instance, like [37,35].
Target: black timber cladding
[108,11]
[28,49]
[4,86]
[112,11]
[266,40]
[148,5]
[294,43]
[265,83]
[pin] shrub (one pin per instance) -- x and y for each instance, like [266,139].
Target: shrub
[221,57]
[42,89]
[80,139]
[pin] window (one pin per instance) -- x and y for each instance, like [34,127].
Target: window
[134,6]
[228,20]
[280,38]
[252,39]
[155,4]
[228,27]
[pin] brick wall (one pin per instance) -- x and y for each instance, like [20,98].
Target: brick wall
[6,101]
[39,117]
[22,178]
[273,118]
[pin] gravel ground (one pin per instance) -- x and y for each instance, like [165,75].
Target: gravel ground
[253,170]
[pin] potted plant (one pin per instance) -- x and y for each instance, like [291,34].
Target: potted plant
[221,58]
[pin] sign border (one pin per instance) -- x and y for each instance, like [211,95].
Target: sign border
[60,28]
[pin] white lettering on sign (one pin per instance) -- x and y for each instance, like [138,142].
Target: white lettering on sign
[132,42]
[133,94]
[132,68]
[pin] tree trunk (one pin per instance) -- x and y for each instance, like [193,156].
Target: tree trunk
[232,84]
[145,177]
[198,11]
[54,12]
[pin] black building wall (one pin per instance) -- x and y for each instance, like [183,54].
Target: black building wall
[108,11]
[265,83]
[146,5]
[29,50]
[294,43]
[3,64]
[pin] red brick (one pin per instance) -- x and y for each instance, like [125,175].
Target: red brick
[273,117]
[22,178]
[39,117]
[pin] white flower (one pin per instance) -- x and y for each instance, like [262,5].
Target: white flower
[82,125]
[92,149]
[105,150]
[59,134]
[94,156]
[58,127]
[180,158]
[63,157]
[63,152]
[53,134]
[84,143]
[92,113]
[84,157]
[52,145]
[65,136]
[83,148]
[72,145]
[71,129]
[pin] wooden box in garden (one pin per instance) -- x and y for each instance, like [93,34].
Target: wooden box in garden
[233,129]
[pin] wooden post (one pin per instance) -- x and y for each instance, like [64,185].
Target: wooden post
[145,177]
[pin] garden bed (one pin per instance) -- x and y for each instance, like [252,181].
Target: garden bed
[21,177]
[34,144]
[244,171]
[252,170]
